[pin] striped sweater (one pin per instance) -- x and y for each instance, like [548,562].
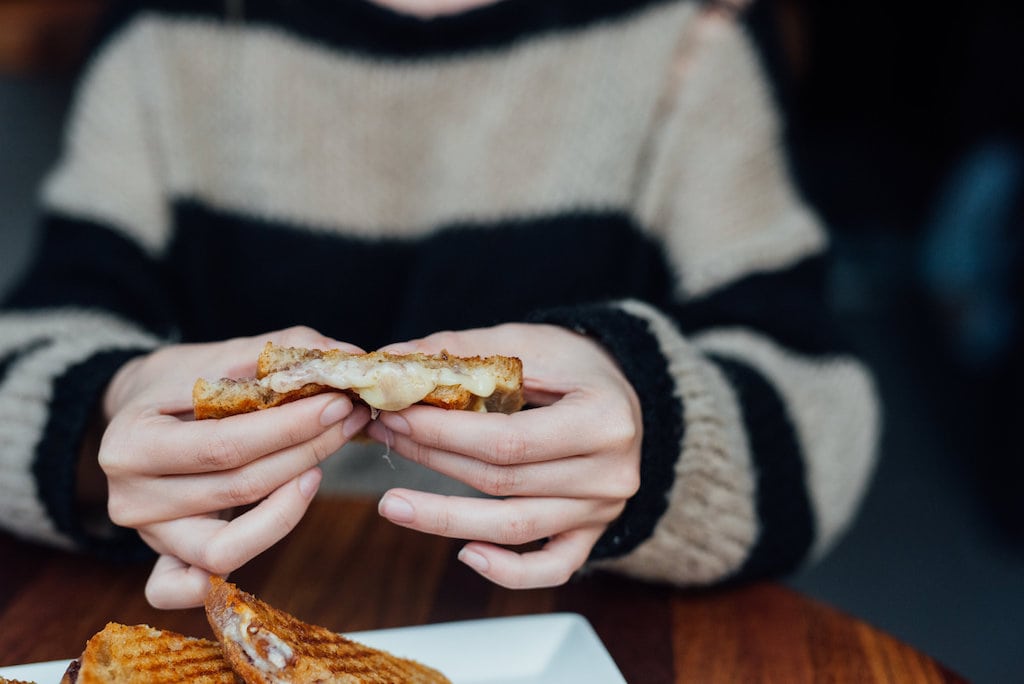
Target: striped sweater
[611,166]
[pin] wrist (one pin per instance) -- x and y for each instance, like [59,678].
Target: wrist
[90,480]
[118,390]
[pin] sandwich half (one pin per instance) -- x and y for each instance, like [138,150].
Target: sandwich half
[140,654]
[384,381]
[269,646]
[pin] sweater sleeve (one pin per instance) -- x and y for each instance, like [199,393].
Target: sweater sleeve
[760,427]
[92,299]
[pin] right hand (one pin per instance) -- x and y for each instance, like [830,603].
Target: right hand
[177,481]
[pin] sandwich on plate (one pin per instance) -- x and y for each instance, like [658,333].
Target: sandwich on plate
[256,644]
[137,654]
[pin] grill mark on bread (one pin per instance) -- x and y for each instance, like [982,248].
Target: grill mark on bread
[210,663]
[318,654]
[140,652]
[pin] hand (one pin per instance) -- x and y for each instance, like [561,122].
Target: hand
[177,481]
[563,470]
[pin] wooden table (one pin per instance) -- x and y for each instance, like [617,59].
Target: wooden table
[347,569]
[46,36]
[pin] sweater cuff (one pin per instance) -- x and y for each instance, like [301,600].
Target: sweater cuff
[76,397]
[630,340]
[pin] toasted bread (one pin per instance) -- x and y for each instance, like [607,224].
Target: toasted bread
[13,681]
[265,645]
[140,654]
[382,380]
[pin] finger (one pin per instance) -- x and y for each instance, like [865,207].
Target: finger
[474,342]
[551,566]
[221,546]
[500,521]
[569,427]
[304,336]
[212,445]
[587,476]
[174,585]
[207,445]
[235,358]
[165,498]
[243,352]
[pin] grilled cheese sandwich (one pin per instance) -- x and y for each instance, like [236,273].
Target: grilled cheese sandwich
[384,381]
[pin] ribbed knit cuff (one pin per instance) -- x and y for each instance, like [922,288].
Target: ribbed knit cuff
[76,396]
[787,528]
[630,340]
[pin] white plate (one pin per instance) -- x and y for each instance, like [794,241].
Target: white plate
[561,648]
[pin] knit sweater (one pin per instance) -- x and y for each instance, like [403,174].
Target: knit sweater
[616,167]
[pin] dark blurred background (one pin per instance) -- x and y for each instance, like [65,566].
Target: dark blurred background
[906,122]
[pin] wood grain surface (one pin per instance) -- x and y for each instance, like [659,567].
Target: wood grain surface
[349,570]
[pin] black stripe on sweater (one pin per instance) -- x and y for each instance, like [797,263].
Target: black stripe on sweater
[84,265]
[783,505]
[788,305]
[234,274]
[76,398]
[362,27]
[630,340]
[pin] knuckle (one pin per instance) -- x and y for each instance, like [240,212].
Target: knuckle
[218,556]
[430,435]
[244,489]
[625,481]
[120,511]
[620,432]
[562,573]
[124,443]
[510,448]
[299,335]
[208,457]
[498,480]
[519,529]
[280,521]
[112,457]
[512,580]
[440,340]
[415,452]
[325,445]
[219,452]
[609,511]
[443,522]
[295,433]
[283,521]
[301,331]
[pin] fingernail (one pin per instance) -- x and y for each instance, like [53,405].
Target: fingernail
[396,509]
[395,422]
[309,482]
[474,560]
[335,411]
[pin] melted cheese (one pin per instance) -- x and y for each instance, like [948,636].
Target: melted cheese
[385,385]
[278,653]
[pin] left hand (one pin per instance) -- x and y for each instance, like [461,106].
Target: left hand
[563,470]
